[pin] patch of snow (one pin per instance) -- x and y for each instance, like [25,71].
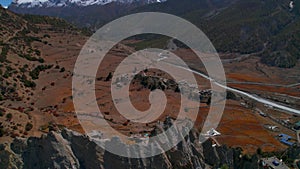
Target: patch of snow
[60,3]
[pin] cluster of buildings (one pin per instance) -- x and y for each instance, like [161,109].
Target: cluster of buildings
[286,139]
[283,138]
[273,163]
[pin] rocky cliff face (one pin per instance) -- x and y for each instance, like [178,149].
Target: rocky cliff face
[70,150]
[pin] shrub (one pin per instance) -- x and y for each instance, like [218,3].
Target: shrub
[259,151]
[9,116]
[36,71]
[37,52]
[6,74]
[30,84]
[231,96]
[2,112]
[28,126]
[31,58]
[22,70]
[109,76]
[1,132]
[224,166]
[27,83]
[15,128]
[4,52]
[29,39]
[177,90]
[46,36]
[62,69]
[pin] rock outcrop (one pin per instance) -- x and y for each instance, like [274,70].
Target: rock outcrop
[68,149]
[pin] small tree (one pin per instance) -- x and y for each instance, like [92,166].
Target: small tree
[259,151]
[109,76]
[62,69]
[208,101]
[2,111]
[177,90]
[224,166]
[230,95]
[9,116]
[28,126]
[1,132]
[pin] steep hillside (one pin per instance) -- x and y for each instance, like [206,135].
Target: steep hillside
[26,43]
[90,15]
[17,35]
[94,16]
[267,28]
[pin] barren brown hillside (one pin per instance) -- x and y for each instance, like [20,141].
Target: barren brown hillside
[37,59]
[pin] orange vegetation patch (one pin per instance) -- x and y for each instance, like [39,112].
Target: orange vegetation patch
[245,77]
[273,89]
[68,107]
[242,128]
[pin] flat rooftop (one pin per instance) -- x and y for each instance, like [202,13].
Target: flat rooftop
[271,161]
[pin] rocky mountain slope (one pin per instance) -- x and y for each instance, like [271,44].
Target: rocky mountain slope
[266,28]
[69,149]
[86,13]
[94,16]
[25,45]
[65,3]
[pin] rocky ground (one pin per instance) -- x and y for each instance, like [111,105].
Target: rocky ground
[68,149]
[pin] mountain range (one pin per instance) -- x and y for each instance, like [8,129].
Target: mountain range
[266,28]
[65,3]
[36,67]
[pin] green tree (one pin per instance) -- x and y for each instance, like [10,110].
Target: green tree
[177,90]
[1,132]
[224,166]
[259,151]
[2,111]
[9,116]
[28,126]
[62,69]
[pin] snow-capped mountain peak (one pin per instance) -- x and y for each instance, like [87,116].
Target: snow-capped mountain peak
[61,3]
